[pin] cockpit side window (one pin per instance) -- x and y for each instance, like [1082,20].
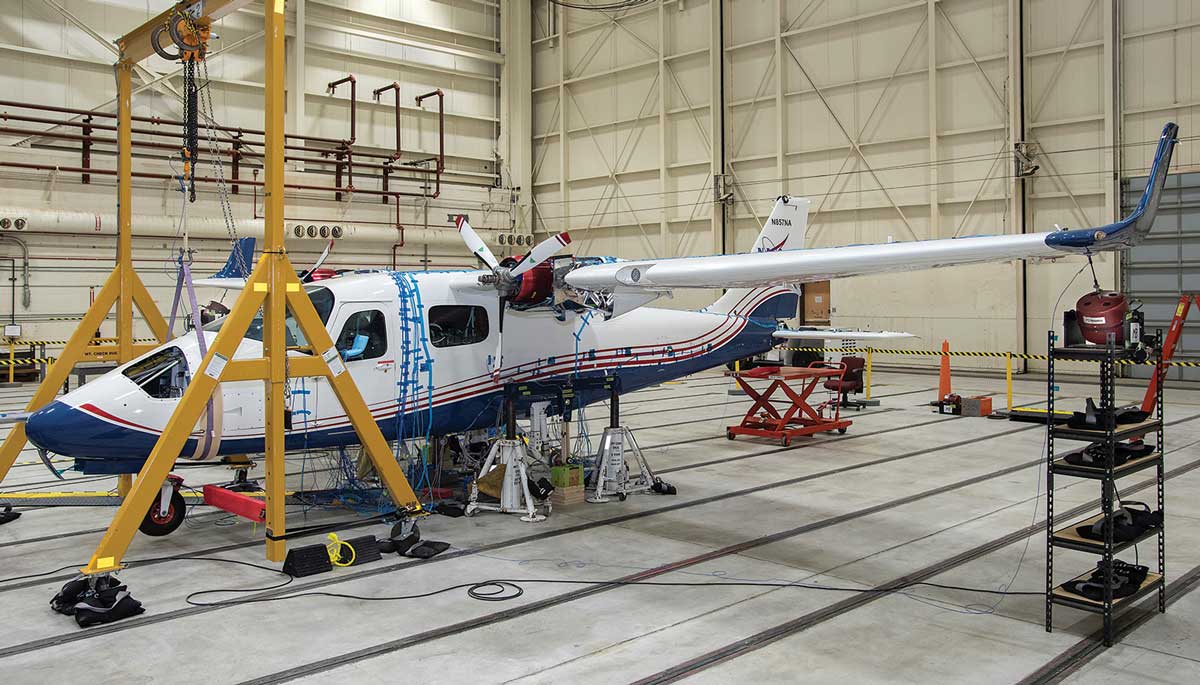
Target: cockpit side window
[454,325]
[322,299]
[163,374]
[363,336]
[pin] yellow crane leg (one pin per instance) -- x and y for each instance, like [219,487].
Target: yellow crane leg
[108,554]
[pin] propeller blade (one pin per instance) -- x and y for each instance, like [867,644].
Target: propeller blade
[542,251]
[474,243]
[306,276]
[498,359]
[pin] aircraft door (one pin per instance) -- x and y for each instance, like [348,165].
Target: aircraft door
[365,338]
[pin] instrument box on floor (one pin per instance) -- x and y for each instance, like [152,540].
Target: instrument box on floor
[976,406]
[566,476]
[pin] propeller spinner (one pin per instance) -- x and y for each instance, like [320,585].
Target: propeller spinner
[506,280]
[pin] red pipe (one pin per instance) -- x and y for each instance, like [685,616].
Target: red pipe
[441,160]
[345,152]
[199,179]
[153,120]
[170,134]
[88,140]
[379,91]
[395,86]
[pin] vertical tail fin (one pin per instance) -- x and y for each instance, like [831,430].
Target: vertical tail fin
[784,230]
[241,260]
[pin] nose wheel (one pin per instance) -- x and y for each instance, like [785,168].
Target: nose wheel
[159,521]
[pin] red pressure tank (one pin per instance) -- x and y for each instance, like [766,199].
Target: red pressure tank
[1100,313]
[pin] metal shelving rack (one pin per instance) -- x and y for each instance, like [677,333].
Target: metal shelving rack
[1066,537]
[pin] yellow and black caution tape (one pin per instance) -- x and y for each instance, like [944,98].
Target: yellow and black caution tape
[27,362]
[954,353]
[91,341]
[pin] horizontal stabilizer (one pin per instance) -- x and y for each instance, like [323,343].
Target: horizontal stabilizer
[839,334]
[224,283]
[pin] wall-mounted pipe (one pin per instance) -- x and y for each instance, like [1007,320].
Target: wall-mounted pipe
[346,152]
[378,92]
[155,120]
[54,221]
[26,293]
[199,179]
[441,159]
[174,135]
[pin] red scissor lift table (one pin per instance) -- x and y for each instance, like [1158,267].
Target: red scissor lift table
[771,419]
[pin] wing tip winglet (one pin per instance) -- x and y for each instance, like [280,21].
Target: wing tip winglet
[1133,228]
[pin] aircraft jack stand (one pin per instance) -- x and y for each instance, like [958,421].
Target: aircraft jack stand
[612,474]
[514,492]
[509,453]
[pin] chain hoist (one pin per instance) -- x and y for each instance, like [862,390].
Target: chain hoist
[189,35]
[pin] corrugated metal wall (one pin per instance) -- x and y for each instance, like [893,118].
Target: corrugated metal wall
[1167,265]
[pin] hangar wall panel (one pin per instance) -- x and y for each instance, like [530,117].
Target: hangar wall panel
[897,118]
[61,58]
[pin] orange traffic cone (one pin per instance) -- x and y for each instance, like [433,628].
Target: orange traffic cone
[944,374]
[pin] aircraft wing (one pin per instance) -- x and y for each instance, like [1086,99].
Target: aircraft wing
[785,267]
[839,334]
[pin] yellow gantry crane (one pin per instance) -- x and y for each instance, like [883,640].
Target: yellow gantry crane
[272,286]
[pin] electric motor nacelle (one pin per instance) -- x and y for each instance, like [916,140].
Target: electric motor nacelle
[1101,313]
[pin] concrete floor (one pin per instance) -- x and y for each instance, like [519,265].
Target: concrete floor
[903,492]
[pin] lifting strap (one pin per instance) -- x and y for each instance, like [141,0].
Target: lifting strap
[185,280]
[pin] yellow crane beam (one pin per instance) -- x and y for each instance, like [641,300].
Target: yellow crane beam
[135,46]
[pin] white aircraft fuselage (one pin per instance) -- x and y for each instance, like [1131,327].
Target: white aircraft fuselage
[427,367]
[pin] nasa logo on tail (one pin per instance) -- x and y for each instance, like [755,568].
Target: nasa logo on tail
[785,227]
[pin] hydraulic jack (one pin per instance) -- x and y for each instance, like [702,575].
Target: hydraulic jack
[508,454]
[613,475]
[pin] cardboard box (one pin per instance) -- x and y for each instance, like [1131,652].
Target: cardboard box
[816,302]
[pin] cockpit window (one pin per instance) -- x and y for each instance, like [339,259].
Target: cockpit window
[163,374]
[322,300]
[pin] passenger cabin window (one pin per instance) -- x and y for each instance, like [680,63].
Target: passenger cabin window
[364,336]
[162,374]
[453,324]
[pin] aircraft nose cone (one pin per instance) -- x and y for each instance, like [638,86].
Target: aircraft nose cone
[51,427]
